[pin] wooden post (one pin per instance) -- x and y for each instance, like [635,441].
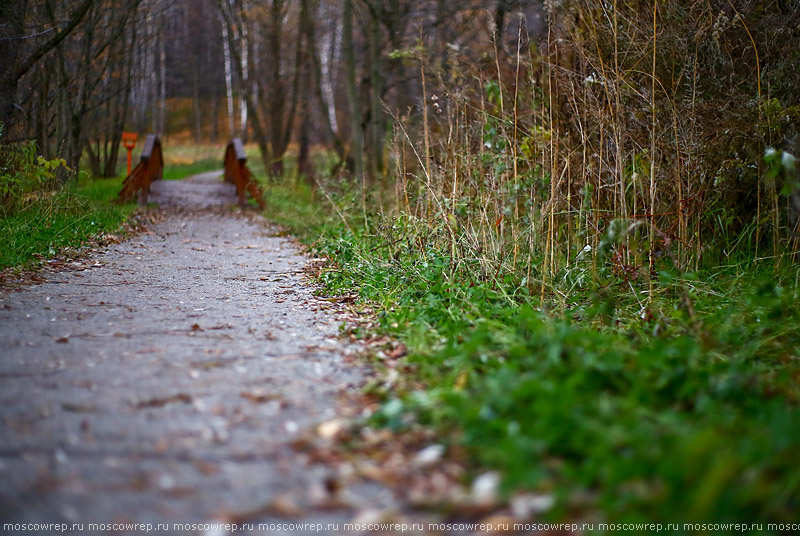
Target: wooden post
[129,140]
[237,172]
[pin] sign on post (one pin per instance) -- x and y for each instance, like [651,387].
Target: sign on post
[129,140]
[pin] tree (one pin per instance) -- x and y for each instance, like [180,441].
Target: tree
[309,30]
[11,45]
[356,135]
[272,101]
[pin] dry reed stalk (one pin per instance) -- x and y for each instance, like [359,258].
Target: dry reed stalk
[514,144]
[760,172]
[548,244]
[405,177]
[498,198]
[679,183]
[568,241]
[425,127]
[618,132]
[653,159]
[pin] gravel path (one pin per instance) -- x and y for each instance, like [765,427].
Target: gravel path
[163,379]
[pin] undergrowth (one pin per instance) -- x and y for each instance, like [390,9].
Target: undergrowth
[40,215]
[684,407]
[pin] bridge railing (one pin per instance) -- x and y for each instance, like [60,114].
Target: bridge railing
[149,169]
[237,172]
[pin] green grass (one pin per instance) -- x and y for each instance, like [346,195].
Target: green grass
[52,220]
[183,160]
[176,153]
[688,412]
[181,171]
[294,205]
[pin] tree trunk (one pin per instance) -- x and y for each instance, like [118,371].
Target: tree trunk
[329,55]
[192,56]
[243,40]
[356,141]
[376,129]
[226,53]
[11,43]
[14,12]
[44,114]
[258,126]
[77,100]
[214,115]
[152,76]
[93,155]
[277,97]
[110,168]
[281,119]
[304,167]
[162,63]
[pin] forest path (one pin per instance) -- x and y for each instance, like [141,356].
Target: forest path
[163,379]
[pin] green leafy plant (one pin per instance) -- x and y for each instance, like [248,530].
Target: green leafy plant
[39,215]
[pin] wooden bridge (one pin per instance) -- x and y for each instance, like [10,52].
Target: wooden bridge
[151,168]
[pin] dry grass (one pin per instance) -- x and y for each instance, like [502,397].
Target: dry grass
[635,137]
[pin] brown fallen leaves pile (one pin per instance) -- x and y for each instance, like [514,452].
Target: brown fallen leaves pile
[428,478]
[431,477]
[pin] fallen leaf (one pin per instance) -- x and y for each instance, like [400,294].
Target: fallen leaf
[284,506]
[77,408]
[206,468]
[160,402]
[498,524]
[461,381]
[259,397]
[484,488]
[330,429]
[325,495]
[333,485]
[429,455]
[371,471]
[147,351]
[399,351]
[526,505]
[370,517]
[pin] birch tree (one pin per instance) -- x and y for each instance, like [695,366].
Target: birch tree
[228,78]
